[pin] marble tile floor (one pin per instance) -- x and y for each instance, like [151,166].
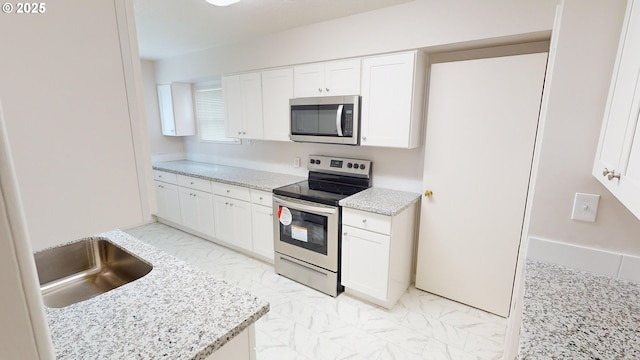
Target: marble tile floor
[573,314]
[304,324]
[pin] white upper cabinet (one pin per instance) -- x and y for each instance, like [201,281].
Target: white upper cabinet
[617,163]
[277,89]
[243,106]
[176,109]
[392,100]
[334,78]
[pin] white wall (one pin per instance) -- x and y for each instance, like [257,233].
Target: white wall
[587,42]
[163,148]
[416,24]
[392,168]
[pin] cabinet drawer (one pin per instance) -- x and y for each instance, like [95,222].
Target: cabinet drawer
[366,220]
[232,191]
[261,197]
[194,183]
[165,177]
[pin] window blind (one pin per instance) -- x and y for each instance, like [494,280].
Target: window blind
[210,115]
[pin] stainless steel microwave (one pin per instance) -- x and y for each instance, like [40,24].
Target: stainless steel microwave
[330,119]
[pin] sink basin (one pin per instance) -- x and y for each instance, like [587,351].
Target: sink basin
[79,271]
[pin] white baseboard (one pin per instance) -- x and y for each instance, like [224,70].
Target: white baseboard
[597,261]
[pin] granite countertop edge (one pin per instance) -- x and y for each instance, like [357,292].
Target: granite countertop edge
[173,311]
[249,178]
[382,201]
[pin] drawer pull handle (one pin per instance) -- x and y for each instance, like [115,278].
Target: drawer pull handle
[364,221]
[260,198]
[228,191]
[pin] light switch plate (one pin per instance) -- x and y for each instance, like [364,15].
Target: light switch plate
[296,162]
[585,207]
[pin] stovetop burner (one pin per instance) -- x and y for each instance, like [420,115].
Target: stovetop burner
[330,180]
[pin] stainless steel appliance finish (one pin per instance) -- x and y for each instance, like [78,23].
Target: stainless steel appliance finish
[308,221]
[330,119]
[79,271]
[329,215]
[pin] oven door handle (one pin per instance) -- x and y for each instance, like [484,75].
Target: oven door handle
[304,207]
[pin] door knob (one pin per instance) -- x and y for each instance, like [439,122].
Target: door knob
[428,193]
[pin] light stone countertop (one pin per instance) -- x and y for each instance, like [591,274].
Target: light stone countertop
[255,179]
[574,314]
[381,201]
[173,312]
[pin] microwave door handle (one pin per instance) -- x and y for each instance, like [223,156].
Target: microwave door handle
[339,120]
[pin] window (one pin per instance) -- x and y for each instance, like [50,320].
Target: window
[210,115]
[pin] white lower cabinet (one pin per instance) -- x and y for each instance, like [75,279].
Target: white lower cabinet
[233,221]
[262,222]
[377,254]
[241,347]
[360,250]
[168,201]
[197,210]
[231,215]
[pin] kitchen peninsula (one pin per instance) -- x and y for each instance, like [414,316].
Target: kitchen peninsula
[173,312]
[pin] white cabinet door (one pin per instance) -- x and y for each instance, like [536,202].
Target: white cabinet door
[223,216]
[242,221]
[168,201]
[618,156]
[243,106]
[277,89]
[233,221]
[335,78]
[308,80]
[262,222]
[197,210]
[166,110]
[232,106]
[365,261]
[392,97]
[342,77]
[176,109]
[251,87]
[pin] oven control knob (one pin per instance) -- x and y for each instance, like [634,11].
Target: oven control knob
[349,165]
[318,162]
[355,165]
[362,166]
[312,161]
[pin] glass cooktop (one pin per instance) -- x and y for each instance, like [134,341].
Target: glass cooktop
[324,192]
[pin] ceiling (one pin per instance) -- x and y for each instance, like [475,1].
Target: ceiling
[169,28]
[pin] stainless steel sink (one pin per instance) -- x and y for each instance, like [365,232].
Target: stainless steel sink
[84,269]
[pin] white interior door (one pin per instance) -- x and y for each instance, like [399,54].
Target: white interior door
[481,128]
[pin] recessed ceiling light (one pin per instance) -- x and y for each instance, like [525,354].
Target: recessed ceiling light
[222,2]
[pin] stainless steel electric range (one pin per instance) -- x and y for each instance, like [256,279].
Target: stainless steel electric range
[308,221]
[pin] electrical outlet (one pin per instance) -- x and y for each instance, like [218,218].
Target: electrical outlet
[296,162]
[585,207]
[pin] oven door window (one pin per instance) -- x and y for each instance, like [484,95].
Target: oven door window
[307,230]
